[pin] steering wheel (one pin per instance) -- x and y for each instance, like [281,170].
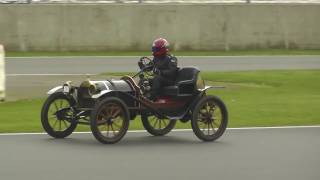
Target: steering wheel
[144,62]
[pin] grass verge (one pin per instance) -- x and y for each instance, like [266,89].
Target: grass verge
[177,53]
[253,98]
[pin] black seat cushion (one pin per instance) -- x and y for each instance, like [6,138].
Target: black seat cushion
[170,90]
[185,82]
[187,75]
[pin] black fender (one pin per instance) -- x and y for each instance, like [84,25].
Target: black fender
[196,99]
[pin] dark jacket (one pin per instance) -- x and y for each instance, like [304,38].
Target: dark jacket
[166,67]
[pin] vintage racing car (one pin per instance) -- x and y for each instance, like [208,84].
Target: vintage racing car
[109,105]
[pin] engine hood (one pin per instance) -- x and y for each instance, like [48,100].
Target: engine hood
[111,85]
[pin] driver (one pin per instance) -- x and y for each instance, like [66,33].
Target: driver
[164,66]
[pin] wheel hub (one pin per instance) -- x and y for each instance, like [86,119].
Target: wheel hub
[62,113]
[208,118]
[109,121]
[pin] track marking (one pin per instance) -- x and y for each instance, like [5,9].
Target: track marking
[10,75]
[176,130]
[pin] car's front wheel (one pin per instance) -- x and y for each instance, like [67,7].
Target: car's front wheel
[57,115]
[110,120]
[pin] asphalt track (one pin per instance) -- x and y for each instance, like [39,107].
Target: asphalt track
[284,154]
[97,65]
[248,154]
[32,77]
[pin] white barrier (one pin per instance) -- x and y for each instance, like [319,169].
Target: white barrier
[116,27]
[2,74]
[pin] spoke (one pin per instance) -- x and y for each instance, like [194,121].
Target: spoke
[114,133]
[66,104]
[155,123]
[100,120]
[54,124]
[61,102]
[56,106]
[201,118]
[203,127]
[51,112]
[164,122]
[213,130]
[65,124]
[212,110]
[105,113]
[109,109]
[207,107]
[117,109]
[152,119]
[208,128]
[59,125]
[116,113]
[202,113]
[108,130]
[52,117]
[200,121]
[160,123]
[117,125]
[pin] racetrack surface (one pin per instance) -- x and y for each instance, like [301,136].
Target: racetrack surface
[97,65]
[264,154]
[32,77]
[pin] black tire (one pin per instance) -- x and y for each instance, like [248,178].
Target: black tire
[105,115]
[58,103]
[150,124]
[204,120]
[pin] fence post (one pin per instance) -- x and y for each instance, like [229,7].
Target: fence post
[2,74]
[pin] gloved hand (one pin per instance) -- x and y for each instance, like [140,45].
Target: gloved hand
[156,71]
[140,64]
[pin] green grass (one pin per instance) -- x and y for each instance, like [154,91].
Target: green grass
[20,116]
[177,53]
[253,98]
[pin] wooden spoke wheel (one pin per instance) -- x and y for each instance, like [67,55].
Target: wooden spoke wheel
[110,120]
[157,126]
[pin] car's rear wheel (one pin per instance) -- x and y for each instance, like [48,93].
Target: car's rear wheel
[110,120]
[57,115]
[210,118]
[157,126]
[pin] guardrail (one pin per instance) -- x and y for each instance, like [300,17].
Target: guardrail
[2,74]
[153,1]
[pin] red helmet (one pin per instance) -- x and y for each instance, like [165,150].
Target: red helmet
[160,47]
